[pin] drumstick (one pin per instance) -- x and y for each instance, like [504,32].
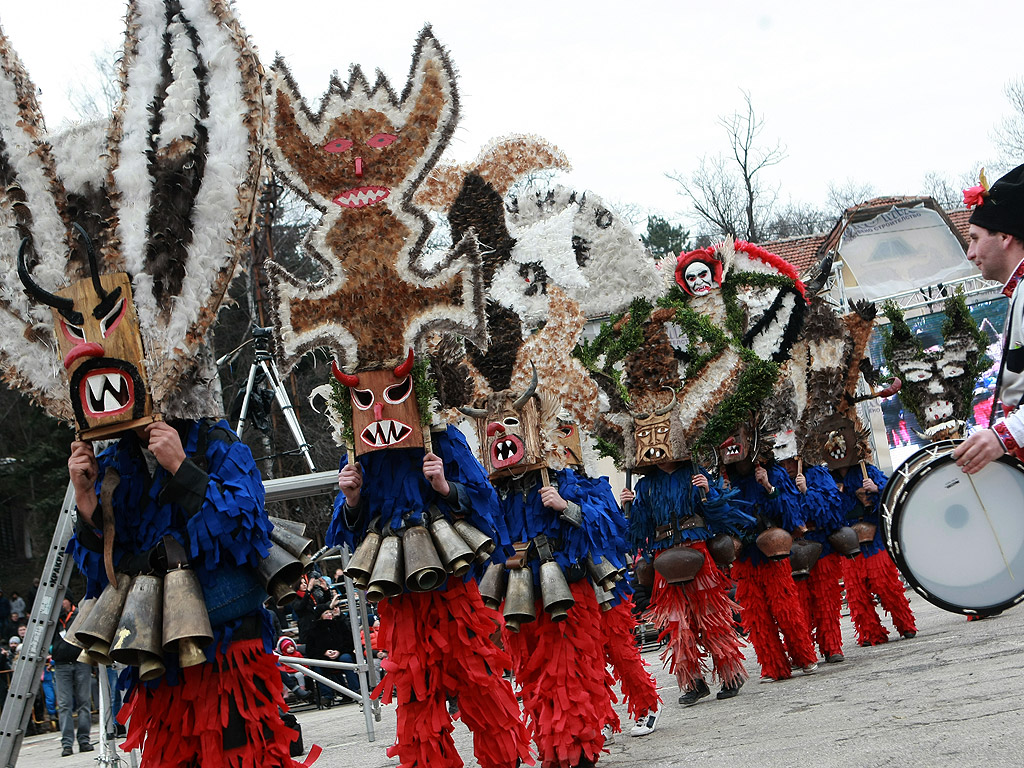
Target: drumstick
[994,534]
[799,465]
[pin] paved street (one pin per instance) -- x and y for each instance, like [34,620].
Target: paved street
[950,696]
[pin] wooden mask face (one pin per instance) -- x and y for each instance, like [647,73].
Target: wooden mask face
[101,348]
[385,413]
[840,442]
[510,437]
[567,437]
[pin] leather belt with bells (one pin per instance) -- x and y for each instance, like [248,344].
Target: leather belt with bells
[541,546]
[663,532]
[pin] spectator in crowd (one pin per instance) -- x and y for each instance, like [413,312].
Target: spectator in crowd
[73,681]
[330,638]
[18,604]
[292,680]
[314,595]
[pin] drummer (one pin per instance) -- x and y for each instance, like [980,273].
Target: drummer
[996,246]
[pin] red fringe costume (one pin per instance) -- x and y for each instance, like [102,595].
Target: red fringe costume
[438,646]
[239,687]
[876,575]
[628,668]
[695,616]
[565,693]
[770,607]
[822,599]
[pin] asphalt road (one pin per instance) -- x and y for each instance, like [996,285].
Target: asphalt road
[949,697]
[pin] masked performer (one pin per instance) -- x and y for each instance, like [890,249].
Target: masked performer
[360,161]
[713,345]
[165,192]
[559,254]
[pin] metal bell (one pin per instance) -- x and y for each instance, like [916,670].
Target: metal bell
[722,548]
[139,636]
[802,557]
[423,568]
[519,602]
[481,544]
[98,628]
[775,543]
[604,597]
[865,531]
[452,548]
[492,585]
[187,627]
[84,609]
[278,572]
[289,525]
[386,579]
[293,542]
[361,565]
[845,542]
[554,591]
[602,572]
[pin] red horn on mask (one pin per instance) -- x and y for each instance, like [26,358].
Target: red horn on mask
[347,379]
[403,370]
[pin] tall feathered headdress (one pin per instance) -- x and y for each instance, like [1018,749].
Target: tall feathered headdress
[164,193]
[360,162]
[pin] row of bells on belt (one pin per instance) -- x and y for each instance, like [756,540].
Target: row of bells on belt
[287,560]
[140,619]
[419,558]
[515,587]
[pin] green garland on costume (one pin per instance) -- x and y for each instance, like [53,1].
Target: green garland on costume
[754,385]
[424,388]
[730,287]
[341,402]
[613,346]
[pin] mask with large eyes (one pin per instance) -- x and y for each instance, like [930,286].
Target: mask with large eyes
[698,274]
[101,348]
[652,435]
[937,387]
[385,413]
[698,278]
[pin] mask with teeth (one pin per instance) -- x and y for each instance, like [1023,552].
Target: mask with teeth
[385,413]
[508,429]
[740,445]
[652,437]
[839,442]
[100,345]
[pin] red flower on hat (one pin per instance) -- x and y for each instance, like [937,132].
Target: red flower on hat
[975,196]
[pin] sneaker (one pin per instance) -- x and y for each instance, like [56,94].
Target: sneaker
[810,669]
[87,747]
[909,635]
[647,723]
[729,691]
[699,691]
[834,658]
[766,679]
[608,733]
[66,752]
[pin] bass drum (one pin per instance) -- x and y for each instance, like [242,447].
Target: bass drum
[958,539]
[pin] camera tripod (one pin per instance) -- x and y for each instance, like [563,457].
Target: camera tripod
[264,362]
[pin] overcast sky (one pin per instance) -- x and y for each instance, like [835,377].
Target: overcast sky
[879,93]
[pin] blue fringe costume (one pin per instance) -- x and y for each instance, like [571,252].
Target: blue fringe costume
[438,642]
[559,666]
[226,711]
[874,574]
[821,593]
[771,610]
[696,617]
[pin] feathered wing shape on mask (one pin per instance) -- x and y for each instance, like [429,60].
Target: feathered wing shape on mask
[165,190]
[360,161]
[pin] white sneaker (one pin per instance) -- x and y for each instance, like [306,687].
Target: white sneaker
[608,733]
[810,669]
[647,723]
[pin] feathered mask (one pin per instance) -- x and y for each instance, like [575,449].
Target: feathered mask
[142,218]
